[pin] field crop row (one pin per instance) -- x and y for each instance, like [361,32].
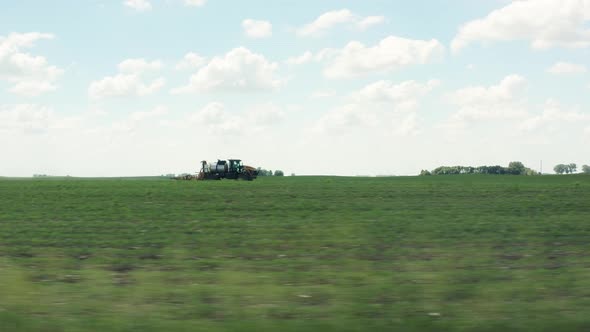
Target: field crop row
[456,253]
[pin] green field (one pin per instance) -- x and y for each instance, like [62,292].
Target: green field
[440,253]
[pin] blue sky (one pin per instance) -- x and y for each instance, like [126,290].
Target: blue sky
[106,88]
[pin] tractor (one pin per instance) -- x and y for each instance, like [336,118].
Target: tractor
[226,169]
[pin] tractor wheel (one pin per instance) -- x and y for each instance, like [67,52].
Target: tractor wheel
[245,176]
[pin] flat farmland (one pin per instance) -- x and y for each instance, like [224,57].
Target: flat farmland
[440,253]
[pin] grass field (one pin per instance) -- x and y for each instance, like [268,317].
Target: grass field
[446,253]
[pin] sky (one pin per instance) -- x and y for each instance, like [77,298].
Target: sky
[380,87]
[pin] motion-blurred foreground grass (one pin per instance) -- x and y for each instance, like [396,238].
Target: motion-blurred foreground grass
[455,253]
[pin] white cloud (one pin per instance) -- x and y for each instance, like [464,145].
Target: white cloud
[266,115]
[504,108]
[212,113]
[552,115]
[15,41]
[343,118]
[219,121]
[238,70]
[195,3]
[130,81]
[387,91]
[139,66]
[323,94]
[560,68]
[407,125]
[131,124]
[154,113]
[139,5]
[32,88]
[505,91]
[326,54]
[257,29]
[123,85]
[32,118]
[191,61]
[545,23]
[501,101]
[27,117]
[361,121]
[391,53]
[300,60]
[326,21]
[30,74]
[382,107]
[333,18]
[370,21]
[146,5]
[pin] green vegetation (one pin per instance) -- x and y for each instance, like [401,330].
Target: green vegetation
[265,172]
[449,253]
[514,168]
[565,169]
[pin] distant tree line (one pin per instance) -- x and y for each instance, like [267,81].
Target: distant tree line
[566,168]
[264,172]
[514,168]
[570,169]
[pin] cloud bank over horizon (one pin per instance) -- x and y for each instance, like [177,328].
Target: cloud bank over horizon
[326,90]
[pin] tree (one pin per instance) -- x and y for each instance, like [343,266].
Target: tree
[573,168]
[567,169]
[497,169]
[279,173]
[516,168]
[481,170]
[264,172]
[586,169]
[560,168]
